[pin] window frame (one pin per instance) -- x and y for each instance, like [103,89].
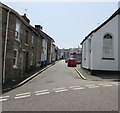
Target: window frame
[17,32]
[16,59]
[104,57]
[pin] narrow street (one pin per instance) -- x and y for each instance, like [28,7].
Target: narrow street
[60,88]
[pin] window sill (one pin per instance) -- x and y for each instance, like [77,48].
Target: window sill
[26,44]
[108,59]
[14,67]
[17,40]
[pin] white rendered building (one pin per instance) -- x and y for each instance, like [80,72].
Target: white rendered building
[101,48]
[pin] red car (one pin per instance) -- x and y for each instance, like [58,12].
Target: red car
[72,62]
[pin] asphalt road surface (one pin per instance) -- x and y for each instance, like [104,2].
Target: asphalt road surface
[60,88]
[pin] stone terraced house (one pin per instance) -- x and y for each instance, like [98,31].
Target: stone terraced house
[22,45]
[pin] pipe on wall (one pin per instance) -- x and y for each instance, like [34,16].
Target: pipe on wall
[5,47]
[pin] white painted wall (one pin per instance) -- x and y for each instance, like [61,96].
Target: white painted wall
[97,48]
[119,42]
[85,60]
[95,61]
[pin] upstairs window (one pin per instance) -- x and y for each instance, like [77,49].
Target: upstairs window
[108,46]
[26,36]
[17,31]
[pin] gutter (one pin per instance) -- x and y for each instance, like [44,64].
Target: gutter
[5,49]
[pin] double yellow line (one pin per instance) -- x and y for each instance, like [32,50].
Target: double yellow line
[80,74]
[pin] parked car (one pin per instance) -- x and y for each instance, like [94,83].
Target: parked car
[72,62]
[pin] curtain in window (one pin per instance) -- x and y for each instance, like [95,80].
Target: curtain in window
[107,46]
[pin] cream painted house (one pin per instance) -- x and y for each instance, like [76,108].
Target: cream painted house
[101,48]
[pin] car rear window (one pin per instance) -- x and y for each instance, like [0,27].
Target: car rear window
[71,59]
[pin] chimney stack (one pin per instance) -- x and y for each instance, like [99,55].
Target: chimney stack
[25,18]
[38,28]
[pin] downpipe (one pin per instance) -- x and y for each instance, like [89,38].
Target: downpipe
[5,48]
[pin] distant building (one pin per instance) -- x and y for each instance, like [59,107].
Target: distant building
[76,53]
[71,53]
[64,53]
[101,48]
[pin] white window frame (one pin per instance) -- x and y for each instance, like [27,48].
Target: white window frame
[17,32]
[105,48]
[16,59]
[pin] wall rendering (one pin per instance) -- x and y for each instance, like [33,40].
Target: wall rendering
[97,47]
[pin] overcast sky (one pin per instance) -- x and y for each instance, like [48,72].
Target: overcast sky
[66,22]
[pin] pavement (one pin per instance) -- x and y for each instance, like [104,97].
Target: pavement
[86,75]
[9,86]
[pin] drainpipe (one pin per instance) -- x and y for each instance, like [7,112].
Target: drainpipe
[5,49]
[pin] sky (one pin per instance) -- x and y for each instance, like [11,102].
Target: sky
[66,22]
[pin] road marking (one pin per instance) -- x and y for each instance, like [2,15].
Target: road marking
[4,97]
[43,93]
[93,86]
[61,90]
[107,85]
[80,74]
[78,88]
[74,86]
[1,100]
[114,83]
[102,84]
[117,84]
[90,85]
[22,96]
[28,93]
